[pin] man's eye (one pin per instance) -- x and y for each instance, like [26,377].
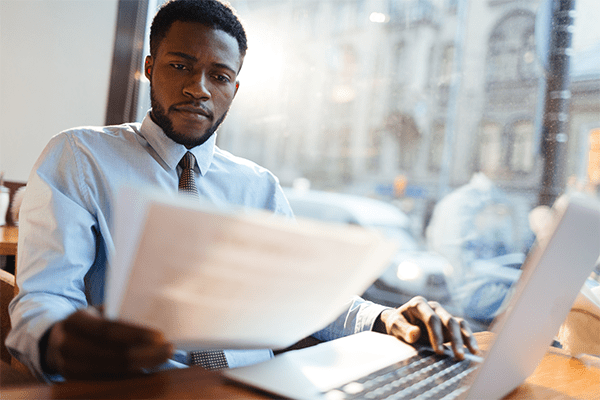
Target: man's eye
[178,66]
[223,78]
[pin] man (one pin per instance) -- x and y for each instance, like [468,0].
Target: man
[196,52]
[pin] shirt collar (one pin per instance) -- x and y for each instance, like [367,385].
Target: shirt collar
[172,152]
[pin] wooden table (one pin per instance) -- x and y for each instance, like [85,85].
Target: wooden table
[557,377]
[9,236]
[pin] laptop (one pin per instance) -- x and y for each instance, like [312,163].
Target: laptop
[373,365]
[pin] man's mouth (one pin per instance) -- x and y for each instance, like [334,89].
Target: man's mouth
[194,111]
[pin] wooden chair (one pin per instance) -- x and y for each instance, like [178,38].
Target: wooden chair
[13,186]
[12,371]
[7,292]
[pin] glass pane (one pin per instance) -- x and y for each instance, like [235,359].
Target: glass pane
[432,107]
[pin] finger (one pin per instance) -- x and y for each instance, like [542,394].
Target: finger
[90,324]
[67,355]
[148,357]
[86,371]
[397,325]
[75,348]
[420,310]
[468,337]
[452,330]
[107,356]
[52,359]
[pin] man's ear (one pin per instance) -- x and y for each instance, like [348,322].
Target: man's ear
[148,67]
[237,86]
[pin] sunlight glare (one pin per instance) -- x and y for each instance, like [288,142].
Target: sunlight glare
[378,17]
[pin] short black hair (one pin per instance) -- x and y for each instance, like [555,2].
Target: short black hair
[212,13]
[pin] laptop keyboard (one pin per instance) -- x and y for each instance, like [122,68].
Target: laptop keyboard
[424,376]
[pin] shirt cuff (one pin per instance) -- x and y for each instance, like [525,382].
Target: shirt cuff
[368,316]
[360,316]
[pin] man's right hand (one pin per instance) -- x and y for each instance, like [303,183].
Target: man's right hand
[88,346]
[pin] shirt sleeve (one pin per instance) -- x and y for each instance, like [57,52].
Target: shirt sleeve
[360,316]
[56,239]
[282,206]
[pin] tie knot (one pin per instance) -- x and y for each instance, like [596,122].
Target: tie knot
[187,161]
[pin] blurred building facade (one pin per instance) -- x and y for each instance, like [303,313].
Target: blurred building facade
[402,97]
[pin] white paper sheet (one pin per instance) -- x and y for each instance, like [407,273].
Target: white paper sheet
[222,280]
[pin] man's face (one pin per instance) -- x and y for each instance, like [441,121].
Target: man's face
[192,81]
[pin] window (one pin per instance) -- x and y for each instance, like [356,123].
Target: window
[436,148]
[505,152]
[374,151]
[521,155]
[512,49]
[445,75]
[359,97]
[490,153]
[444,78]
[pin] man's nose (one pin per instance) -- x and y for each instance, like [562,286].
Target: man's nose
[197,87]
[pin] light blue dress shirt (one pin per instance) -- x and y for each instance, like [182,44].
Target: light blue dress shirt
[66,227]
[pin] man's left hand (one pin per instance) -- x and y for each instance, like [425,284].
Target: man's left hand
[419,320]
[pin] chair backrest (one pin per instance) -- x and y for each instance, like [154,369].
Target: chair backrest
[7,292]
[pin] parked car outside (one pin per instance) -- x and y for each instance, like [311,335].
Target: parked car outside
[412,271]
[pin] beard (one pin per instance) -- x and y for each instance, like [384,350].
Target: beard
[159,116]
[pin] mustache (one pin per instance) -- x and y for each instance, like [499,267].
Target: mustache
[192,107]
